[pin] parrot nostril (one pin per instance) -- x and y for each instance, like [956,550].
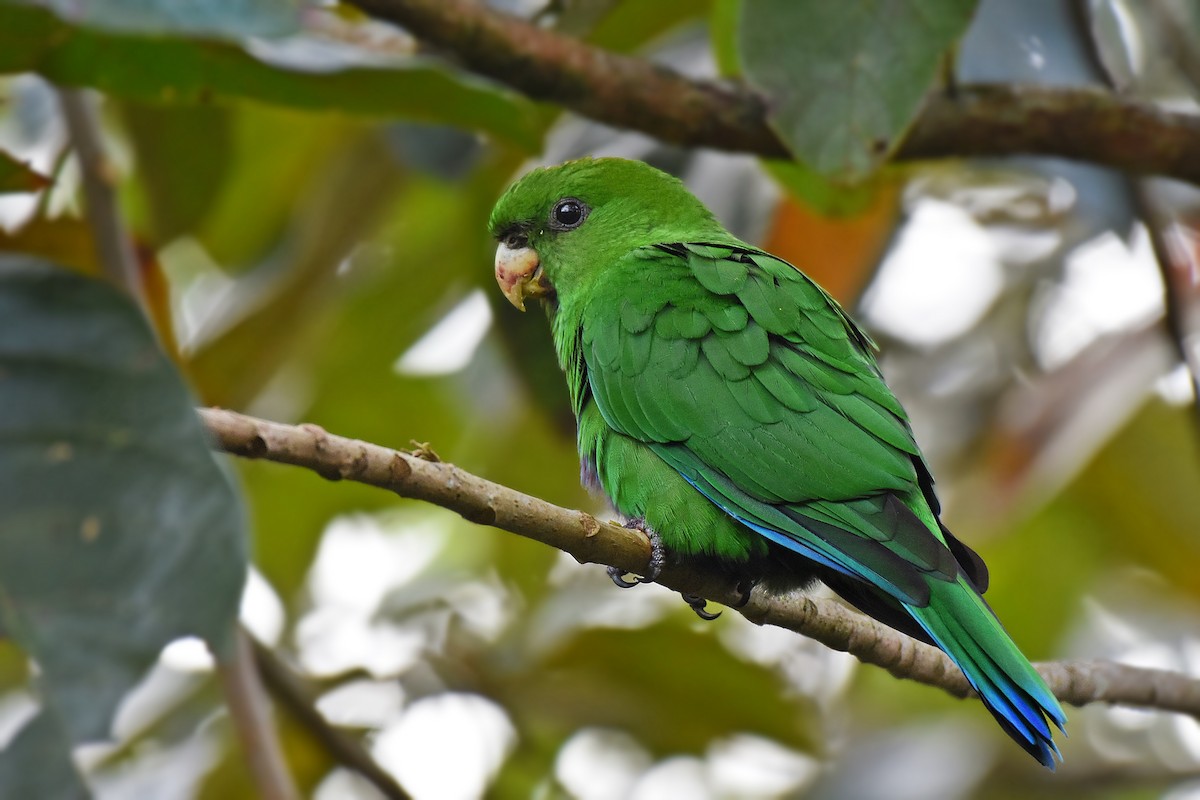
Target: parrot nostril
[516,241]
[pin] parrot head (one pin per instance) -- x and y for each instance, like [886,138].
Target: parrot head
[558,226]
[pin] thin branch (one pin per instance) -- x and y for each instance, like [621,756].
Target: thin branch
[292,692]
[592,541]
[1175,266]
[246,699]
[990,120]
[114,249]
[1175,259]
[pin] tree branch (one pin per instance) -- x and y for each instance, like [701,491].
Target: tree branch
[592,541]
[252,718]
[291,691]
[114,248]
[989,120]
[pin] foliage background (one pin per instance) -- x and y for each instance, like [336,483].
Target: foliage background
[308,192]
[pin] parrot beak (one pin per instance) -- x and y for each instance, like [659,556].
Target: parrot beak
[519,273]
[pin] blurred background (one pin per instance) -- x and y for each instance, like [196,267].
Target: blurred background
[311,233]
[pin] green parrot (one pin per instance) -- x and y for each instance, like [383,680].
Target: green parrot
[730,408]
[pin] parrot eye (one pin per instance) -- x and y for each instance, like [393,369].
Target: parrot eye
[568,214]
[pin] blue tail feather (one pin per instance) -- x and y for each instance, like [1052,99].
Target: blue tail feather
[1013,692]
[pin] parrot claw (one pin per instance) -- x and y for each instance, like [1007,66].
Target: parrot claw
[744,589]
[697,604]
[617,575]
[658,557]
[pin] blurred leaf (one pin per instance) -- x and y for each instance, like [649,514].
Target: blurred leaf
[183,156]
[439,150]
[235,19]
[825,195]
[67,242]
[277,159]
[632,23]
[723,32]
[16,176]
[1135,485]
[161,70]
[531,351]
[121,531]
[233,368]
[1038,597]
[432,252]
[343,334]
[844,81]
[577,17]
[840,253]
[37,763]
[675,688]
[1122,509]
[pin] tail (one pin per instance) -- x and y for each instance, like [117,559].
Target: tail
[962,625]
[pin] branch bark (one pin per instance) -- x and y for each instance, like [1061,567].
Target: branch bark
[592,541]
[114,248]
[292,692]
[251,717]
[1084,124]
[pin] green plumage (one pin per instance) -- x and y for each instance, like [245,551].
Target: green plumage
[730,403]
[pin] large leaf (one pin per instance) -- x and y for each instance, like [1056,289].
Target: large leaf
[845,80]
[16,176]
[37,762]
[821,193]
[158,70]
[119,531]
[235,19]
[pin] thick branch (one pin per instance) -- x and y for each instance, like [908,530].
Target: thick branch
[590,540]
[1077,123]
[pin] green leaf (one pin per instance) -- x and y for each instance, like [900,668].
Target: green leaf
[845,80]
[632,23]
[234,19]
[16,176]
[119,530]
[37,763]
[163,70]
[183,157]
[681,689]
[831,198]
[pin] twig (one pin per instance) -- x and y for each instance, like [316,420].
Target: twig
[114,249]
[1176,268]
[1085,124]
[290,690]
[592,541]
[1175,260]
[248,708]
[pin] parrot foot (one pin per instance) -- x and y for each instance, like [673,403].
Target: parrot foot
[658,557]
[697,604]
